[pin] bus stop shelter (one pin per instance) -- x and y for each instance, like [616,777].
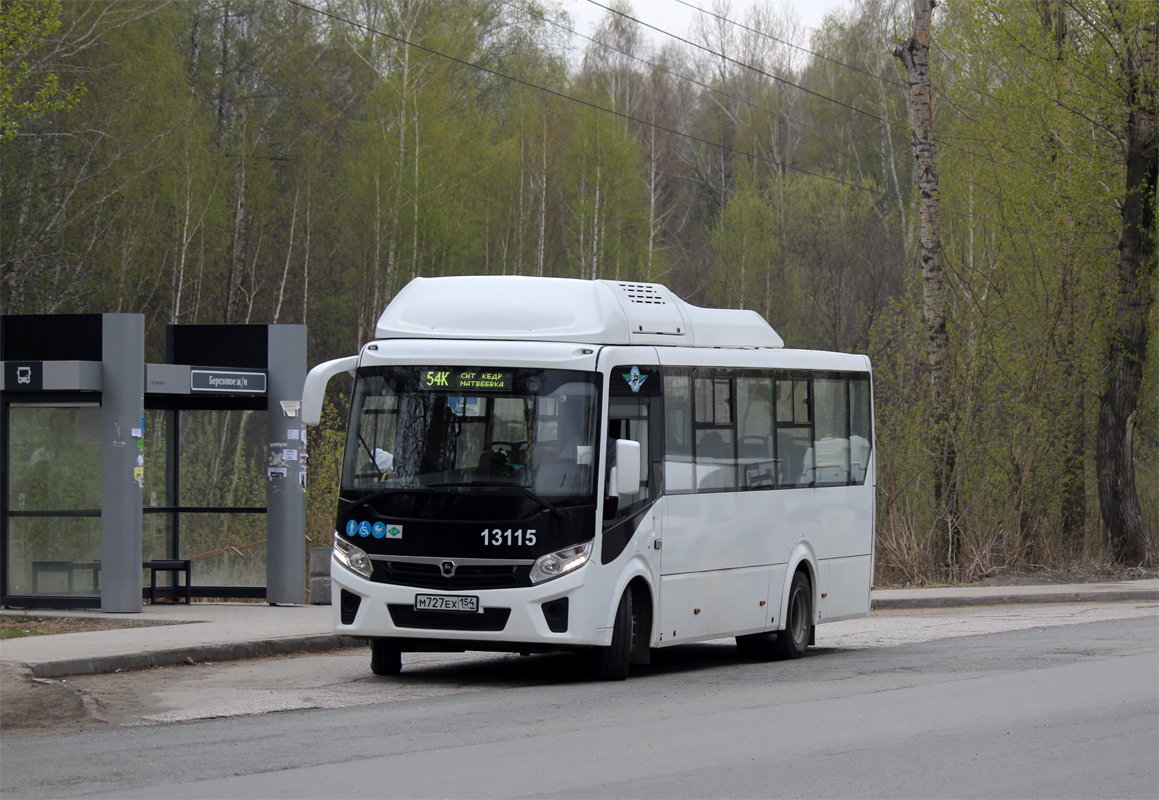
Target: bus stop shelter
[123,480]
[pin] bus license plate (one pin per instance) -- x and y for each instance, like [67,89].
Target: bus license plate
[447,602]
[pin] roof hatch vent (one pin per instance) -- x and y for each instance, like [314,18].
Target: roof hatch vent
[643,293]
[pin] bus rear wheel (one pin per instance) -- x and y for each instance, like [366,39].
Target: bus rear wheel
[385,657]
[793,641]
[613,661]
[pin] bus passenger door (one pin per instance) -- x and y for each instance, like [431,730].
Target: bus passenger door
[634,412]
[630,521]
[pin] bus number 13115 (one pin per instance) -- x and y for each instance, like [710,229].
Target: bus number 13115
[497,537]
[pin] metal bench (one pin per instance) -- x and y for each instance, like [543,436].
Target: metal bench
[173,565]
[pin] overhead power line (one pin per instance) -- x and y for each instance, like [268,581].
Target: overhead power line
[595,106]
[790,44]
[719,92]
[731,60]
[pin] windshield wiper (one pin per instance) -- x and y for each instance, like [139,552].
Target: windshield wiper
[502,485]
[379,492]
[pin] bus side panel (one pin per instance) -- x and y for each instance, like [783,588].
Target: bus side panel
[722,530]
[729,601]
[848,581]
[843,521]
[752,532]
[675,607]
[843,542]
[705,605]
[774,521]
[776,591]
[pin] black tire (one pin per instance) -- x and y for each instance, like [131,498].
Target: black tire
[385,657]
[614,660]
[793,641]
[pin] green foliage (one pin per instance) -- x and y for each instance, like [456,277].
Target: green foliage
[259,162]
[25,92]
[326,445]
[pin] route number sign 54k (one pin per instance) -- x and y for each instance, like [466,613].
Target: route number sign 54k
[494,536]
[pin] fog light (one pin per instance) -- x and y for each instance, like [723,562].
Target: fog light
[555,613]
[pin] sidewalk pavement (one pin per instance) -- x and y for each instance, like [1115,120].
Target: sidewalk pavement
[175,633]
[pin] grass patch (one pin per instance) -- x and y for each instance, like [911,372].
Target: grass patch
[17,627]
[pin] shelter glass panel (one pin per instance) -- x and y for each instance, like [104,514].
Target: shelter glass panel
[226,549]
[54,500]
[223,455]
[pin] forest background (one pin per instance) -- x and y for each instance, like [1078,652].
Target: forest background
[254,161]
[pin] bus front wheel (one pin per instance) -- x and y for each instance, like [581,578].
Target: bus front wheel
[614,660]
[385,657]
[793,641]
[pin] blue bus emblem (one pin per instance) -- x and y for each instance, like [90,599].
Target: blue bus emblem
[379,530]
[364,529]
[351,528]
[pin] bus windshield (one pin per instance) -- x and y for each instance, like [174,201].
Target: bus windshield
[473,429]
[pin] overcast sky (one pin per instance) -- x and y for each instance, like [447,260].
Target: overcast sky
[676,18]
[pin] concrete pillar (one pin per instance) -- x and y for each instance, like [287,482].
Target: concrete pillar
[122,459]
[285,480]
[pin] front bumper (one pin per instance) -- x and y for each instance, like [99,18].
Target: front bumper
[525,623]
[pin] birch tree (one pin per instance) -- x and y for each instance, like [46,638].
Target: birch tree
[915,56]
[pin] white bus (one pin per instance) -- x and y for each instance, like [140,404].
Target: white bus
[540,464]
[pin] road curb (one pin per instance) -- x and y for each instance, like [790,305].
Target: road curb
[1068,596]
[227,651]
[946,597]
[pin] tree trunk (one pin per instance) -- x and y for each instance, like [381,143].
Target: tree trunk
[306,258]
[1071,416]
[289,254]
[915,55]
[1127,348]
[540,245]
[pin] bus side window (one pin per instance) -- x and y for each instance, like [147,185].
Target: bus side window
[755,428]
[678,469]
[831,443]
[794,433]
[715,453]
[860,434]
[629,420]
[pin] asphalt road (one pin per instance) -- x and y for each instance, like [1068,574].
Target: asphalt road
[919,705]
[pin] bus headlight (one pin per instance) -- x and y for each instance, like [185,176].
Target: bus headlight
[560,562]
[352,557]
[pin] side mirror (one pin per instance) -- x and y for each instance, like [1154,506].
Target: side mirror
[314,390]
[627,470]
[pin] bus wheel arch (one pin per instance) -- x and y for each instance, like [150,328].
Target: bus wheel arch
[642,620]
[612,662]
[802,562]
[631,630]
[794,638]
